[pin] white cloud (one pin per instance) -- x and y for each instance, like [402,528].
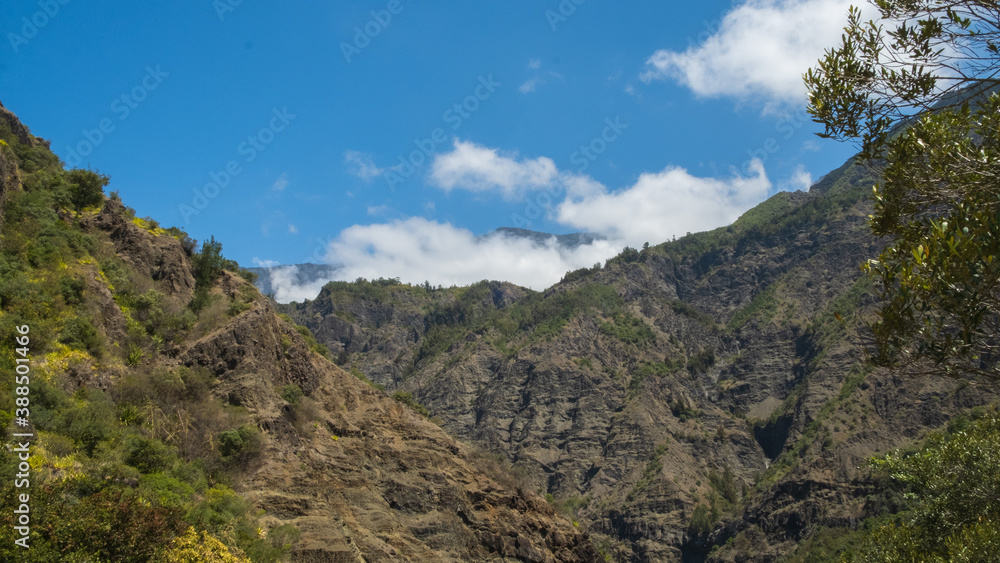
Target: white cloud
[418,250]
[476,168]
[286,286]
[761,50]
[658,206]
[281,183]
[362,165]
[292,229]
[535,64]
[263,263]
[801,180]
[661,205]
[378,209]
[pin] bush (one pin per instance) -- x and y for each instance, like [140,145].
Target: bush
[192,548]
[148,455]
[701,520]
[292,394]
[700,362]
[209,264]
[71,290]
[952,487]
[240,444]
[86,188]
[80,334]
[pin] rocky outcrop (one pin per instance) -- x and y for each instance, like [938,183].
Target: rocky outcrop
[19,130]
[363,477]
[159,257]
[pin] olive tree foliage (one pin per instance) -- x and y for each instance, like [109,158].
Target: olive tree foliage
[950,490]
[917,91]
[920,55]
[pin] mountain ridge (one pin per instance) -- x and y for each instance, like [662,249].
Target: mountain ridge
[704,393]
[168,377]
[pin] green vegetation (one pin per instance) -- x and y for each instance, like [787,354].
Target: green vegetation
[311,343]
[649,369]
[407,399]
[292,394]
[950,489]
[129,455]
[699,363]
[690,311]
[931,66]
[653,469]
[629,330]
[763,307]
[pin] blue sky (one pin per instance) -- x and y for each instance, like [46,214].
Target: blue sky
[386,135]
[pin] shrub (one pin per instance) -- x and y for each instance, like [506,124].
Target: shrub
[700,362]
[192,548]
[80,334]
[113,526]
[86,188]
[240,443]
[148,455]
[209,264]
[71,290]
[701,520]
[292,394]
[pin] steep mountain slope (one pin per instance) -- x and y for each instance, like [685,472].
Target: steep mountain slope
[160,378]
[705,391]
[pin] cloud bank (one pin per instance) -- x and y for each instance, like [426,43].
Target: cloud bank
[654,209]
[417,250]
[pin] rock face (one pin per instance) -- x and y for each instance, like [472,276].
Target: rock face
[361,476]
[367,478]
[23,134]
[723,370]
[159,257]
